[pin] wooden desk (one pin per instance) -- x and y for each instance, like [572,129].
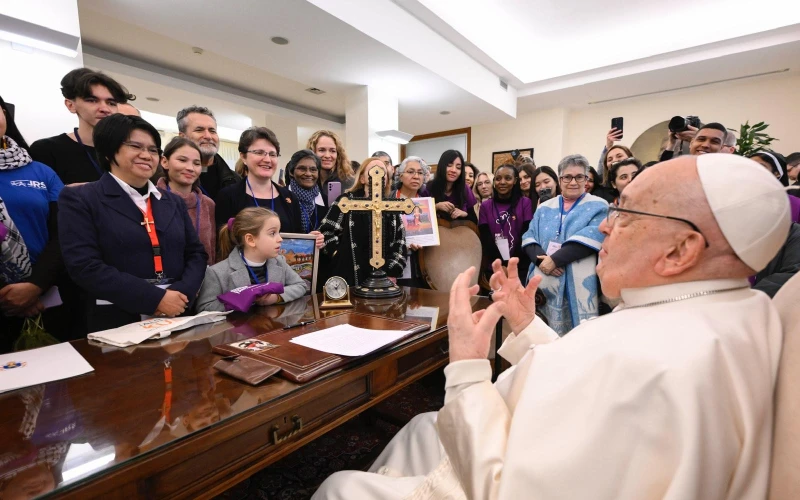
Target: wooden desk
[105,434]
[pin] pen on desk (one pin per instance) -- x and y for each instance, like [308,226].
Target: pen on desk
[302,323]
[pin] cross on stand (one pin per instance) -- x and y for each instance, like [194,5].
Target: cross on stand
[378,285]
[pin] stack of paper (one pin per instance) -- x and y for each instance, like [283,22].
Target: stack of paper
[156,328]
[39,366]
[348,340]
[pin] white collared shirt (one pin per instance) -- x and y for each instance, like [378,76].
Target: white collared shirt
[138,199]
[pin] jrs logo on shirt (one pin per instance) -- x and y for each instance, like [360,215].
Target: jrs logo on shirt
[31,184]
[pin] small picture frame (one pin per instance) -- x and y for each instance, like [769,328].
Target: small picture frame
[302,255]
[502,157]
[423,313]
[421,225]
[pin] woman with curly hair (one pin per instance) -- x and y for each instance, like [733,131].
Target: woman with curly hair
[335,164]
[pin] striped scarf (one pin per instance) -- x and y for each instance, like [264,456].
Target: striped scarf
[307,204]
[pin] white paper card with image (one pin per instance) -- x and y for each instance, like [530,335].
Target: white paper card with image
[156,328]
[40,366]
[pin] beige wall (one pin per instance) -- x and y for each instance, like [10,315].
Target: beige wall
[543,130]
[557,132]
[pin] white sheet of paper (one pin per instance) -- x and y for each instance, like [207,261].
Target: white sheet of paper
[502,245]
[39,366]
[349,340]
[51,298]
[553,247]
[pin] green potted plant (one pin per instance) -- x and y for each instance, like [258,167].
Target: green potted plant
[753,139]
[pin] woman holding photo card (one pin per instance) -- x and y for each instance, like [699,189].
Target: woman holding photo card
[411,173]
[503,219]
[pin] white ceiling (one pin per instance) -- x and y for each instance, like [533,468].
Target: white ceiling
[450,55]
[543,39]
[323,52]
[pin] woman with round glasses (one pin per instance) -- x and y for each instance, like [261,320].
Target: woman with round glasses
[303,172]
[133,249]
[259,150]
[411,174]
[562,242]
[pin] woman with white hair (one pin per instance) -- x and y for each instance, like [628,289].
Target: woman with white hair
[562,242]
[411,174]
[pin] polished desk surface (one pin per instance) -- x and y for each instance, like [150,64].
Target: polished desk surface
[62,435]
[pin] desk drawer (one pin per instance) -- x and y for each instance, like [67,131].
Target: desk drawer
[418,360]
[251,445]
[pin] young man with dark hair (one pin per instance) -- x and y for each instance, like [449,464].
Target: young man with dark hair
[92,96]
[710,138]
[197,123]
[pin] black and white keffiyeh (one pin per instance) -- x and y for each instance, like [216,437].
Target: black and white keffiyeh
[15,262]
[12,155]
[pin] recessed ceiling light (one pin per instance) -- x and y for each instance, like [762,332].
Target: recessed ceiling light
[444,112]
[154,99]
[279,40]
[315,90]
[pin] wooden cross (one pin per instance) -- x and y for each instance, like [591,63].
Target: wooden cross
[147,223]
[377,205]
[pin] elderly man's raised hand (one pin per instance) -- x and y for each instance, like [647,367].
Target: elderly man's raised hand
[470,334]
[519,303]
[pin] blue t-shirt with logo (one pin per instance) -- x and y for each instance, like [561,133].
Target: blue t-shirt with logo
[27,192]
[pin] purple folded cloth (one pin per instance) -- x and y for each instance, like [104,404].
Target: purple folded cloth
[242,299]
[3,232]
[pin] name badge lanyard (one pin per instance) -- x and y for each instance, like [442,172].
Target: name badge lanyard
[149,220]
[561,208]
[88,154]
[252,274]
[196,212]
[253,193]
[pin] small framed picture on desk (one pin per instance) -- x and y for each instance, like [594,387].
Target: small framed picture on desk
[302,255]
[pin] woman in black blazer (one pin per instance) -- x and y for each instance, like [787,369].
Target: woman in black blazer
[259,150]
[132,248]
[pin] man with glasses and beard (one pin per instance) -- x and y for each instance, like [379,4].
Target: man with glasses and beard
[197,123]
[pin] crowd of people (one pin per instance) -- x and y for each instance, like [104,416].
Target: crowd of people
[101,226]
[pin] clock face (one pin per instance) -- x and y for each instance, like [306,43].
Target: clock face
[336,288]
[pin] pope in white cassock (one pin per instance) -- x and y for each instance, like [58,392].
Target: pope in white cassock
[670,396]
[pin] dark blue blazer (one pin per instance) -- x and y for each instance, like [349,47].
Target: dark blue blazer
[108,253]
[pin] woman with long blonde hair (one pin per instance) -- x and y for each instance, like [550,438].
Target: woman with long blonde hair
[335,163]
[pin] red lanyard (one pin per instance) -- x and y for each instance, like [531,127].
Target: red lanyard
[149,220]
[167,406]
